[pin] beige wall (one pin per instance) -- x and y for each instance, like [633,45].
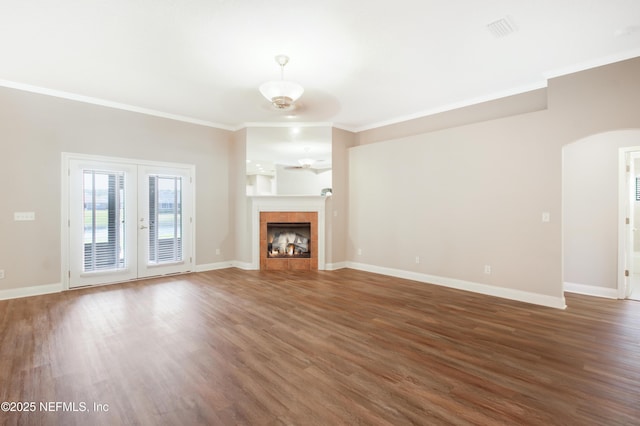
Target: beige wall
[535,100]
[460,190]
[36,129]
[590,208]
[242,217]
[467,196]
[460,199]
[338,204]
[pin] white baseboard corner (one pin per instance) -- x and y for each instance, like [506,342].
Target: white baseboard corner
[15,293]
[489,290]
[247,266]
[213,266]
[335,266]
[591,290]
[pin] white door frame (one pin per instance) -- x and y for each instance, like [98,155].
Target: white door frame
[76,247]
[65,217]
[625,190]
[144,268]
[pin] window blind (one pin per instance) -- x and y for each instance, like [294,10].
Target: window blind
[103,203]
[165,219]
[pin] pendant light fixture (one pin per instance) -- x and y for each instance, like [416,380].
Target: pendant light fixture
[281,93]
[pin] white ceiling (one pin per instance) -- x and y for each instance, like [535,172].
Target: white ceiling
[362,63]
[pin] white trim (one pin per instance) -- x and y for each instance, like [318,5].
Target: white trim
[110,104]
[623,198]
[591,290]
[213,266]
[501,94]
[489,290]
[453,106]
[449,107]
[291,203]
[336,266]
[246,266]
[593,63]
[15,293]
[286,124]
[622,191]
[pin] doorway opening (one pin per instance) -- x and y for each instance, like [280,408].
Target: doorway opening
[629,231]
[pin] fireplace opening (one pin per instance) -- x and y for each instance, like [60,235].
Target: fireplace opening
[289,240]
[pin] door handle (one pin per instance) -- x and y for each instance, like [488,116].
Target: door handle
[143,227]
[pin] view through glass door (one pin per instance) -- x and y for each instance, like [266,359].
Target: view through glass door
[163,218]
[128,221]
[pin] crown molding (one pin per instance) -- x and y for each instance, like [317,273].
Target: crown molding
[109,104]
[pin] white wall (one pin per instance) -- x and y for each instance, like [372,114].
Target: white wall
[260,185]
[301,182]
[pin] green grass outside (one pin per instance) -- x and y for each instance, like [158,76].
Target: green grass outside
[165,221]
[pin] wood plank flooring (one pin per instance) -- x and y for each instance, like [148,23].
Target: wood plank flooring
[315,348]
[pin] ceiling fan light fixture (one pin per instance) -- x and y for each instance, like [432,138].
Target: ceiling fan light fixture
[306,162]
[281,93]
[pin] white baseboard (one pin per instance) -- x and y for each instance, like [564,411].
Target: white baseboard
[335,266]
[505,293]
[522,296]
[591,290]
[15,293]
[247,266]
[213,266]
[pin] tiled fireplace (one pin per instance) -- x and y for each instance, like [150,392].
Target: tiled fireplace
[288,232]
[289,241]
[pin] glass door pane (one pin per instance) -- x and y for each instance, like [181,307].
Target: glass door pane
[103,202]
[165,219]
[102,229]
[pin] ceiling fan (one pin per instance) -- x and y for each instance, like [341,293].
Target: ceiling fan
[308,165]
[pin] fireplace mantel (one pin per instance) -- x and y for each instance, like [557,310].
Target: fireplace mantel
[286,203]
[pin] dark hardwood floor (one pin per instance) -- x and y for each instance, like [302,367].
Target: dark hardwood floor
[315,348]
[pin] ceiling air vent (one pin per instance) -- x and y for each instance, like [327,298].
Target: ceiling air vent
[502,27]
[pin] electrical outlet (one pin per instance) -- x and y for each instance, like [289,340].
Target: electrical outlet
[359,252]
[417,259]
[546,217]
[22,216]
[487,269]
[218,252]
[1,274]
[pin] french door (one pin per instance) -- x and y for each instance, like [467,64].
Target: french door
[127,220]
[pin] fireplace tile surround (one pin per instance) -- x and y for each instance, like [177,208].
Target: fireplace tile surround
[293,264]
[284,209]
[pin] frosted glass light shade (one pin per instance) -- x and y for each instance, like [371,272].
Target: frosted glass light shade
[281,93]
